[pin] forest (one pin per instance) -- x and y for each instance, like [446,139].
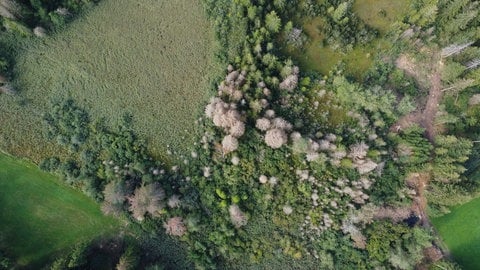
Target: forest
[251,134]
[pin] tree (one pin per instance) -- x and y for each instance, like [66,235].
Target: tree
[129,259]
[273,22]
[339,15]
[115,192]
[175,226]
[147,199]
[450,154]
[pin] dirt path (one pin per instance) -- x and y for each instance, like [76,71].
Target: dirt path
[428,76]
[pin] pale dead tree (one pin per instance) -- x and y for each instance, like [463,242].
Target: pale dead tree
[407,34]
[231,77]
[331,137]
[290,83]
[147,199]
[295,37]
[359,240]
[229,144]
[109,208]
[115,192]
[287,210]
[358,151]
[235,160]
[281,124]
[6,13]
[473,63]
[263,179]
[275,138]
[263,124]
[366,167]
[62,11]
[174,201]
[226,116]
[474,100]
[238,129]
[433,254]
[454,49]
[7,89]
[9,9]
[270,114]
[175,226]
[295,136]
[40,32]
[237,217]
[460,85]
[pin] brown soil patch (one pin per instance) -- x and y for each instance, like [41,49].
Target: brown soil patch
[428,76]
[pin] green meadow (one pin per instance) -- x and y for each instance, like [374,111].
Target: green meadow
[150,59]
[40,216]
[460,231]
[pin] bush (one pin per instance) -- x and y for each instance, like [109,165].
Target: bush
[50,164]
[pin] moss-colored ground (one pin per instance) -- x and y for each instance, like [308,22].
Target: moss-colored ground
[460,230]
[40,216]
[379,14]
[153,59]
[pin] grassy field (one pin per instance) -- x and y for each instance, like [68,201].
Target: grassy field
[381,14]
[460,230]
[40,216]
[153,59]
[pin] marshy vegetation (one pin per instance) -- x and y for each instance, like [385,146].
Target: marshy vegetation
[142,60]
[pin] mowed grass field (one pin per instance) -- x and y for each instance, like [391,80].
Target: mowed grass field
[40,216]
[150,58]
[460,230]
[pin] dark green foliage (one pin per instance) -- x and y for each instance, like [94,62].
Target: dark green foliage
[450,154]
[5,262]
[103,156]
[442,196]
[70,170]
[413,149]
[379,73]
[3,64]
[387,187]
[337,252]
[50,164]
[95,254]
[343,28]
[395,245]
[39,12]
[68,124]
[445,265]
[129,259]
[458,21]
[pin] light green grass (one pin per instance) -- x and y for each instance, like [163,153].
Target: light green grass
[39,216]
[460,230]
[151,58]
[370,11]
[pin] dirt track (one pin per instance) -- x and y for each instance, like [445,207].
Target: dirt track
[427,76]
